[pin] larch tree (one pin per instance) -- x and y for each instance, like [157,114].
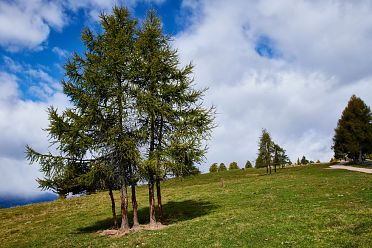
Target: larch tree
[98,129]
[265,150]
[134,114]
[280,158]
[353,134]
[269,153]
[170,110]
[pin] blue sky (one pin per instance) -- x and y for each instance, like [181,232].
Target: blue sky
[288,66]
[50,54]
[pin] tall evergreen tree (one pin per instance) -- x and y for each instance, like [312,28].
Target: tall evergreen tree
[353,134]
[98,126]
[265,150]
[170,109]
[269,153]
[128,95]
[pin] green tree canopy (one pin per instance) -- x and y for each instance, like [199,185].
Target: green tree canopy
[259,162]
[233,166]
[304,160]
[269,153]
[222,167]
[213,168]
[248,165]
[174,122]
[265,149]
[135,113]
[353,134]
[96,132]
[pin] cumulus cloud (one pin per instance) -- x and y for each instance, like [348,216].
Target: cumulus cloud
[287,66]
[27,24]
[22,122]
[95,7]
[61,53]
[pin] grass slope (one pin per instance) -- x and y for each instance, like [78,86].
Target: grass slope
[296,207]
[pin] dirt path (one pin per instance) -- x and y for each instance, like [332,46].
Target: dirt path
[351,168]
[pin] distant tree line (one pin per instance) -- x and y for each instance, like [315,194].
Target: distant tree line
[232,166]
[135,116]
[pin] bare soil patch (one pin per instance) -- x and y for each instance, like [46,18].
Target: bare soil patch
[351,168]
[117,233]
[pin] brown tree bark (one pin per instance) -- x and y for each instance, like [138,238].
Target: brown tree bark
[135,207]
[158,188]
[124,208]
[158,194]
[360,157]
[152,203]
[151,176]
[114,218]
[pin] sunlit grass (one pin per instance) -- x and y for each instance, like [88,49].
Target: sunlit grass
[296,207]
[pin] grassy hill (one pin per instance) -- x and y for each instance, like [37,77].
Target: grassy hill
[296,207]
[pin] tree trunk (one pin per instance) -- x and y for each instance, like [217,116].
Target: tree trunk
[275,168]
[62,196]
[267,169]
[270,169]
[152,202]
[158,194]
[124,208]
[135,207]
[114,218]
[158,189]
[360,157]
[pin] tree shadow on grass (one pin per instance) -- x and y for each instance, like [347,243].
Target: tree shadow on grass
[173,212]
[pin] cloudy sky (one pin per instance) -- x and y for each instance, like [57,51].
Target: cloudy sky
[288,66]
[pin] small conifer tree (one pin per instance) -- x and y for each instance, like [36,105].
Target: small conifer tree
[248,165]
[213,168]
[222,167]
[233,166]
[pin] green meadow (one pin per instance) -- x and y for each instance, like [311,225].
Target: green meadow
[305,206]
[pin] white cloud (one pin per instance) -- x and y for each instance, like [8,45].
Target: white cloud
[18,177]
[26,24]
[297,96]
[8,88]
[22,122]
[11,65]
[62,53]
